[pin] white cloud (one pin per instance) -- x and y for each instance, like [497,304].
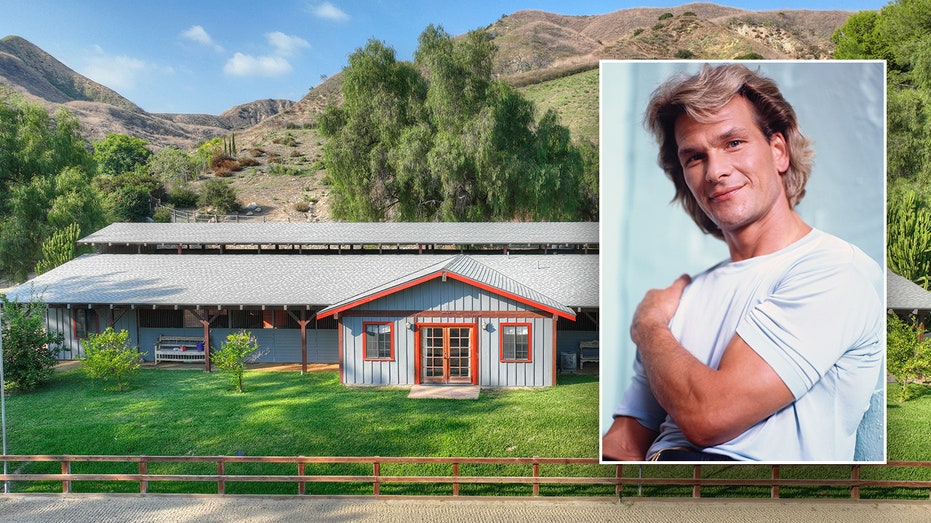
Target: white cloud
[286,45]
[328,11]
[198,34]
[117,72]
[246,65]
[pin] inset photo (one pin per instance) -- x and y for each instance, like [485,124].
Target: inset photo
[743,262]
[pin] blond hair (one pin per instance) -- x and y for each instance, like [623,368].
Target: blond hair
[701,96]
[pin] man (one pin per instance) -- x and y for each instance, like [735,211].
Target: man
[773,354]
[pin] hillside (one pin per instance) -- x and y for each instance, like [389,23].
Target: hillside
[552,58]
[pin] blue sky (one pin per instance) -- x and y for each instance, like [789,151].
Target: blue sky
[206,56]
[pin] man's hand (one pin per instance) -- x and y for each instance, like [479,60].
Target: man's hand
[626,440]
[657,309]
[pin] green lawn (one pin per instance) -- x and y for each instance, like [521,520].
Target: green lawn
[188,412]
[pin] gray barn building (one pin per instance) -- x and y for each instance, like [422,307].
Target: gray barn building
[491,304]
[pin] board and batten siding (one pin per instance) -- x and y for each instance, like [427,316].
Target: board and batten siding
[61,320]
[430,301]
[275,345]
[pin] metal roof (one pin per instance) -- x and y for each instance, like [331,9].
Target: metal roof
[903,294]
[347,233]
[278,280]
[463,268]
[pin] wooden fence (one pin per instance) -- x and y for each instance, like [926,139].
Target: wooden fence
[536,466]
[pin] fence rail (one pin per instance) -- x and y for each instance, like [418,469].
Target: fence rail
[774,482]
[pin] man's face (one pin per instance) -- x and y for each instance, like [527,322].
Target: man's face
[730,167]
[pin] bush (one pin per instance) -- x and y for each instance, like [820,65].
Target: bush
[29,351]
[684,54]
[750,56]
[234,354]
[219,195]
[665,16]
[247,161]
[301,206]
[183,197]
[224,165]
[109,356]
[162,215]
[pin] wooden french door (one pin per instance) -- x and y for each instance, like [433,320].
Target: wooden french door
[446,353]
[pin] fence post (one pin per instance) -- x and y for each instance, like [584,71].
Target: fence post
[143,470]
[619,487]
[456,474]
[221,482]
[774,490]
[696,487]
[855,476]
[536,474]
[66,484]
[376,469]
[301,485]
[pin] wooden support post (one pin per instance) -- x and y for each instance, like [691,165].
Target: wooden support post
[774,490]
[536,474]
[302,485]
[376,471]
[143,470]
[696,475]
[855,476]
[221,483]
[619,487]
[455,475]
[66,484]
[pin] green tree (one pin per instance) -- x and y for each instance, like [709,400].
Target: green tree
[119,153]
[441,139]
[908,354]
[29,351]
[172,165]
[59,248]
[232,357]
[219,195]
[108,356]
[45,167]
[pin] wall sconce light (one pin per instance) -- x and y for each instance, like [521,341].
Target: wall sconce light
[486,325]
[410,326]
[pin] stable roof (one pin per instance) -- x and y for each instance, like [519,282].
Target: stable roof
[347,233]
[904,295]
[164,280]
[461,268]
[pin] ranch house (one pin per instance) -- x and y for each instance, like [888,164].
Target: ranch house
[488,304]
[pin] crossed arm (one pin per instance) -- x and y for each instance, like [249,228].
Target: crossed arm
[710,406]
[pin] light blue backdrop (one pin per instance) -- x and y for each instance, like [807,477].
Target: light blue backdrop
[647,241]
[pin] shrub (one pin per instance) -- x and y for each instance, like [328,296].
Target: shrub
[223,164]
[109,356]
[232,357]
[183,197]
[162,215]
[689,13]
[247,161]
[638,31]
[665,16]
[684,54]
[29,351]
[908,353]
[219,195]
[750,56]
[301,206]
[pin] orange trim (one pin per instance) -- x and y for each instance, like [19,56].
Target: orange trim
[365,352]
[473,339]
[501,358]
[446,275]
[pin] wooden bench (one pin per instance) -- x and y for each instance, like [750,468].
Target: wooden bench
[179,348]
[588,351]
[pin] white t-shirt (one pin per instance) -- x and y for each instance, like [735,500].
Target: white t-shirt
[814,311]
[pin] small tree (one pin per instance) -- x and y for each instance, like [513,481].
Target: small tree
[29,351]
[232,357]
[908,355]
[109,356]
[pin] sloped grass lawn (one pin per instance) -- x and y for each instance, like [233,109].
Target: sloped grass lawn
[188,412]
